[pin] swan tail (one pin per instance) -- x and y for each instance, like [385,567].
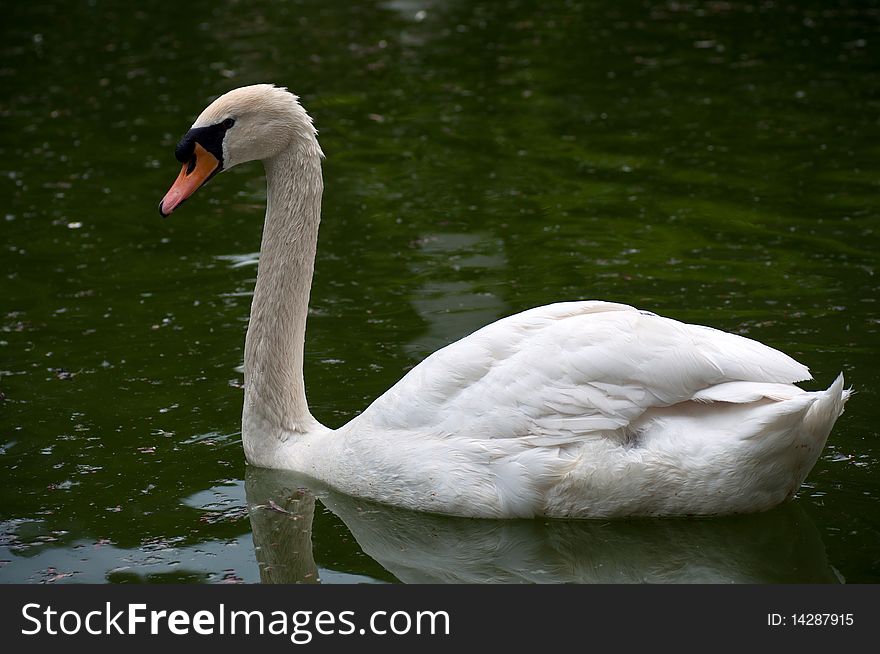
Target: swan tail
[817,421]
[826,409]
[782,438]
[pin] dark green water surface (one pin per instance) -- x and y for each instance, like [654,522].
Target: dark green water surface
[715,162]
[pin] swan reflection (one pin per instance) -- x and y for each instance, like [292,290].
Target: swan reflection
[780,546]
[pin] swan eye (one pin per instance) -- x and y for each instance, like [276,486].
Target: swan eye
[229,122]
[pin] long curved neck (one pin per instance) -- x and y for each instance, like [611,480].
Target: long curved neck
[275,404]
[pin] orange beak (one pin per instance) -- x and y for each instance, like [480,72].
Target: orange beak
[194,174]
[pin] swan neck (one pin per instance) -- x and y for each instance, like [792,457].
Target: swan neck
[275,404]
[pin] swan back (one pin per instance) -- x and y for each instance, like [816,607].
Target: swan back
[589,409]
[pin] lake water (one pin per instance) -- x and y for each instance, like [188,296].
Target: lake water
[711,162]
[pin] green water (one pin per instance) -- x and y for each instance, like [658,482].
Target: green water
[713,162]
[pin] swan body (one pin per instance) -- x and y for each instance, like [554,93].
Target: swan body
[575,409]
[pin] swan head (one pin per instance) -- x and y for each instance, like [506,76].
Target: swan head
[250,123]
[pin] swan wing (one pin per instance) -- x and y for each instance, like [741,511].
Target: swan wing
[557,374]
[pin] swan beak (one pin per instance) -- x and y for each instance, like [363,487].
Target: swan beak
[194,174]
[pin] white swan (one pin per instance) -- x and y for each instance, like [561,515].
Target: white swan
[578,409]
